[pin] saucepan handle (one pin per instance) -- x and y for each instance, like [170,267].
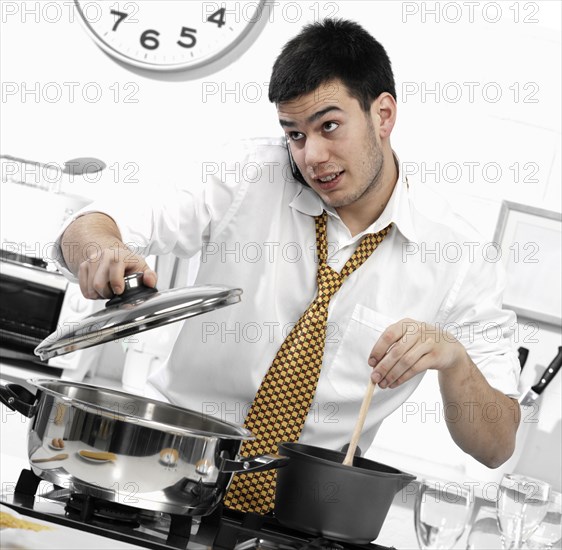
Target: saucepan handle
[19,399]
[254,464]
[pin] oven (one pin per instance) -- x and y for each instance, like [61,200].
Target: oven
[35,301]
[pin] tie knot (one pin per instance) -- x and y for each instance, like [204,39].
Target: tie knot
[329,282]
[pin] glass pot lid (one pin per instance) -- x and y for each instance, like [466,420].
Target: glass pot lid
[139,308]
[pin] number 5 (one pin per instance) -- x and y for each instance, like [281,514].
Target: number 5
[188,33]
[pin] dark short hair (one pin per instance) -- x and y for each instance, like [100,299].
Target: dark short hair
[328,50]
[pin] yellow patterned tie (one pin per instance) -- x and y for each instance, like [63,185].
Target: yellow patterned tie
[286,392]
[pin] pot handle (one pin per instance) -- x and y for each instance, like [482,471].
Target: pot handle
[19,399]
[254,464]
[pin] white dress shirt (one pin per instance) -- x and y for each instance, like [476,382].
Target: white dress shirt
[254,225]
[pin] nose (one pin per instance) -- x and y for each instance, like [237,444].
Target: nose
[316,153]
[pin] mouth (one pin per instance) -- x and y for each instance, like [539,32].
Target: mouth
[329,181]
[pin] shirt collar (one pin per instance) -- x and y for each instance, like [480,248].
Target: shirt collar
[398,210]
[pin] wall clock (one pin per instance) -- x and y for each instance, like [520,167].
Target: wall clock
[173,35]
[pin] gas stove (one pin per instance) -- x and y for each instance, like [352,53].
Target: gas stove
[224,529]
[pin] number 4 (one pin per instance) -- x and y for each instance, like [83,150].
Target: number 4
[218,17]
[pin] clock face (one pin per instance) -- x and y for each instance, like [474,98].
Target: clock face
[170,35]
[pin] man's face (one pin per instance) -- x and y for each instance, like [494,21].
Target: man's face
[334,143]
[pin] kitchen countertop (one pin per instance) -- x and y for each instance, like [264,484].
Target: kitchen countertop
[398,529]
[54,536]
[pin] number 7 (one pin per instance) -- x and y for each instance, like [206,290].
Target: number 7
[121,17]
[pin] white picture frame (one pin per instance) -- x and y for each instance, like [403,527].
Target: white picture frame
[530,240]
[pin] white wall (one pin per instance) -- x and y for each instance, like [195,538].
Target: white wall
[497,110]
[171,121]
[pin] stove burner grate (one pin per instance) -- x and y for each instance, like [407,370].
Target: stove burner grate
[224,529]
[100,512]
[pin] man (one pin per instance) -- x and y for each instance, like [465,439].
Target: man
[334,91]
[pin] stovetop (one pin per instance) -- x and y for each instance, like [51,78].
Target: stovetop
[224,529]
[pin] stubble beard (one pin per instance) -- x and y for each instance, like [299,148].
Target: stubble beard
[372,172]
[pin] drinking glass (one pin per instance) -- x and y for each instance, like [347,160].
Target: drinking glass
[484,533]
[441,512]
[521,506]
[549,531]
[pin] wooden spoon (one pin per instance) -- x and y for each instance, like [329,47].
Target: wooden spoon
[61,456]
[348,460]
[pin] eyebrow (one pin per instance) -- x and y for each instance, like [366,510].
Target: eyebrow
[312,118]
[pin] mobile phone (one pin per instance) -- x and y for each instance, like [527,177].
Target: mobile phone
[294,168]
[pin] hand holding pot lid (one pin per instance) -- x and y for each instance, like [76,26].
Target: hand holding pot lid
[137,309]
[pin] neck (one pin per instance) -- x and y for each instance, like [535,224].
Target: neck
[366,210]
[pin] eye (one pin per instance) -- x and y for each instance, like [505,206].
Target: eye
[330,126]
[295,136]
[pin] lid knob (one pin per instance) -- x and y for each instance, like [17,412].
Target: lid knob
[134,288]
[134,280]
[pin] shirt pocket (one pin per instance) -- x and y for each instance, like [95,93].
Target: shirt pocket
[349,371]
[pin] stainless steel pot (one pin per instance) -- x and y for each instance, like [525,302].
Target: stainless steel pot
[130,449]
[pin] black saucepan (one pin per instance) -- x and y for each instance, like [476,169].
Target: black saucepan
[317,494]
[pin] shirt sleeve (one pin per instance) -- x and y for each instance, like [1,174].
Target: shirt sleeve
[174,219]
[474,315]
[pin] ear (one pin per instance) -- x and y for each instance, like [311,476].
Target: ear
[383,113]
